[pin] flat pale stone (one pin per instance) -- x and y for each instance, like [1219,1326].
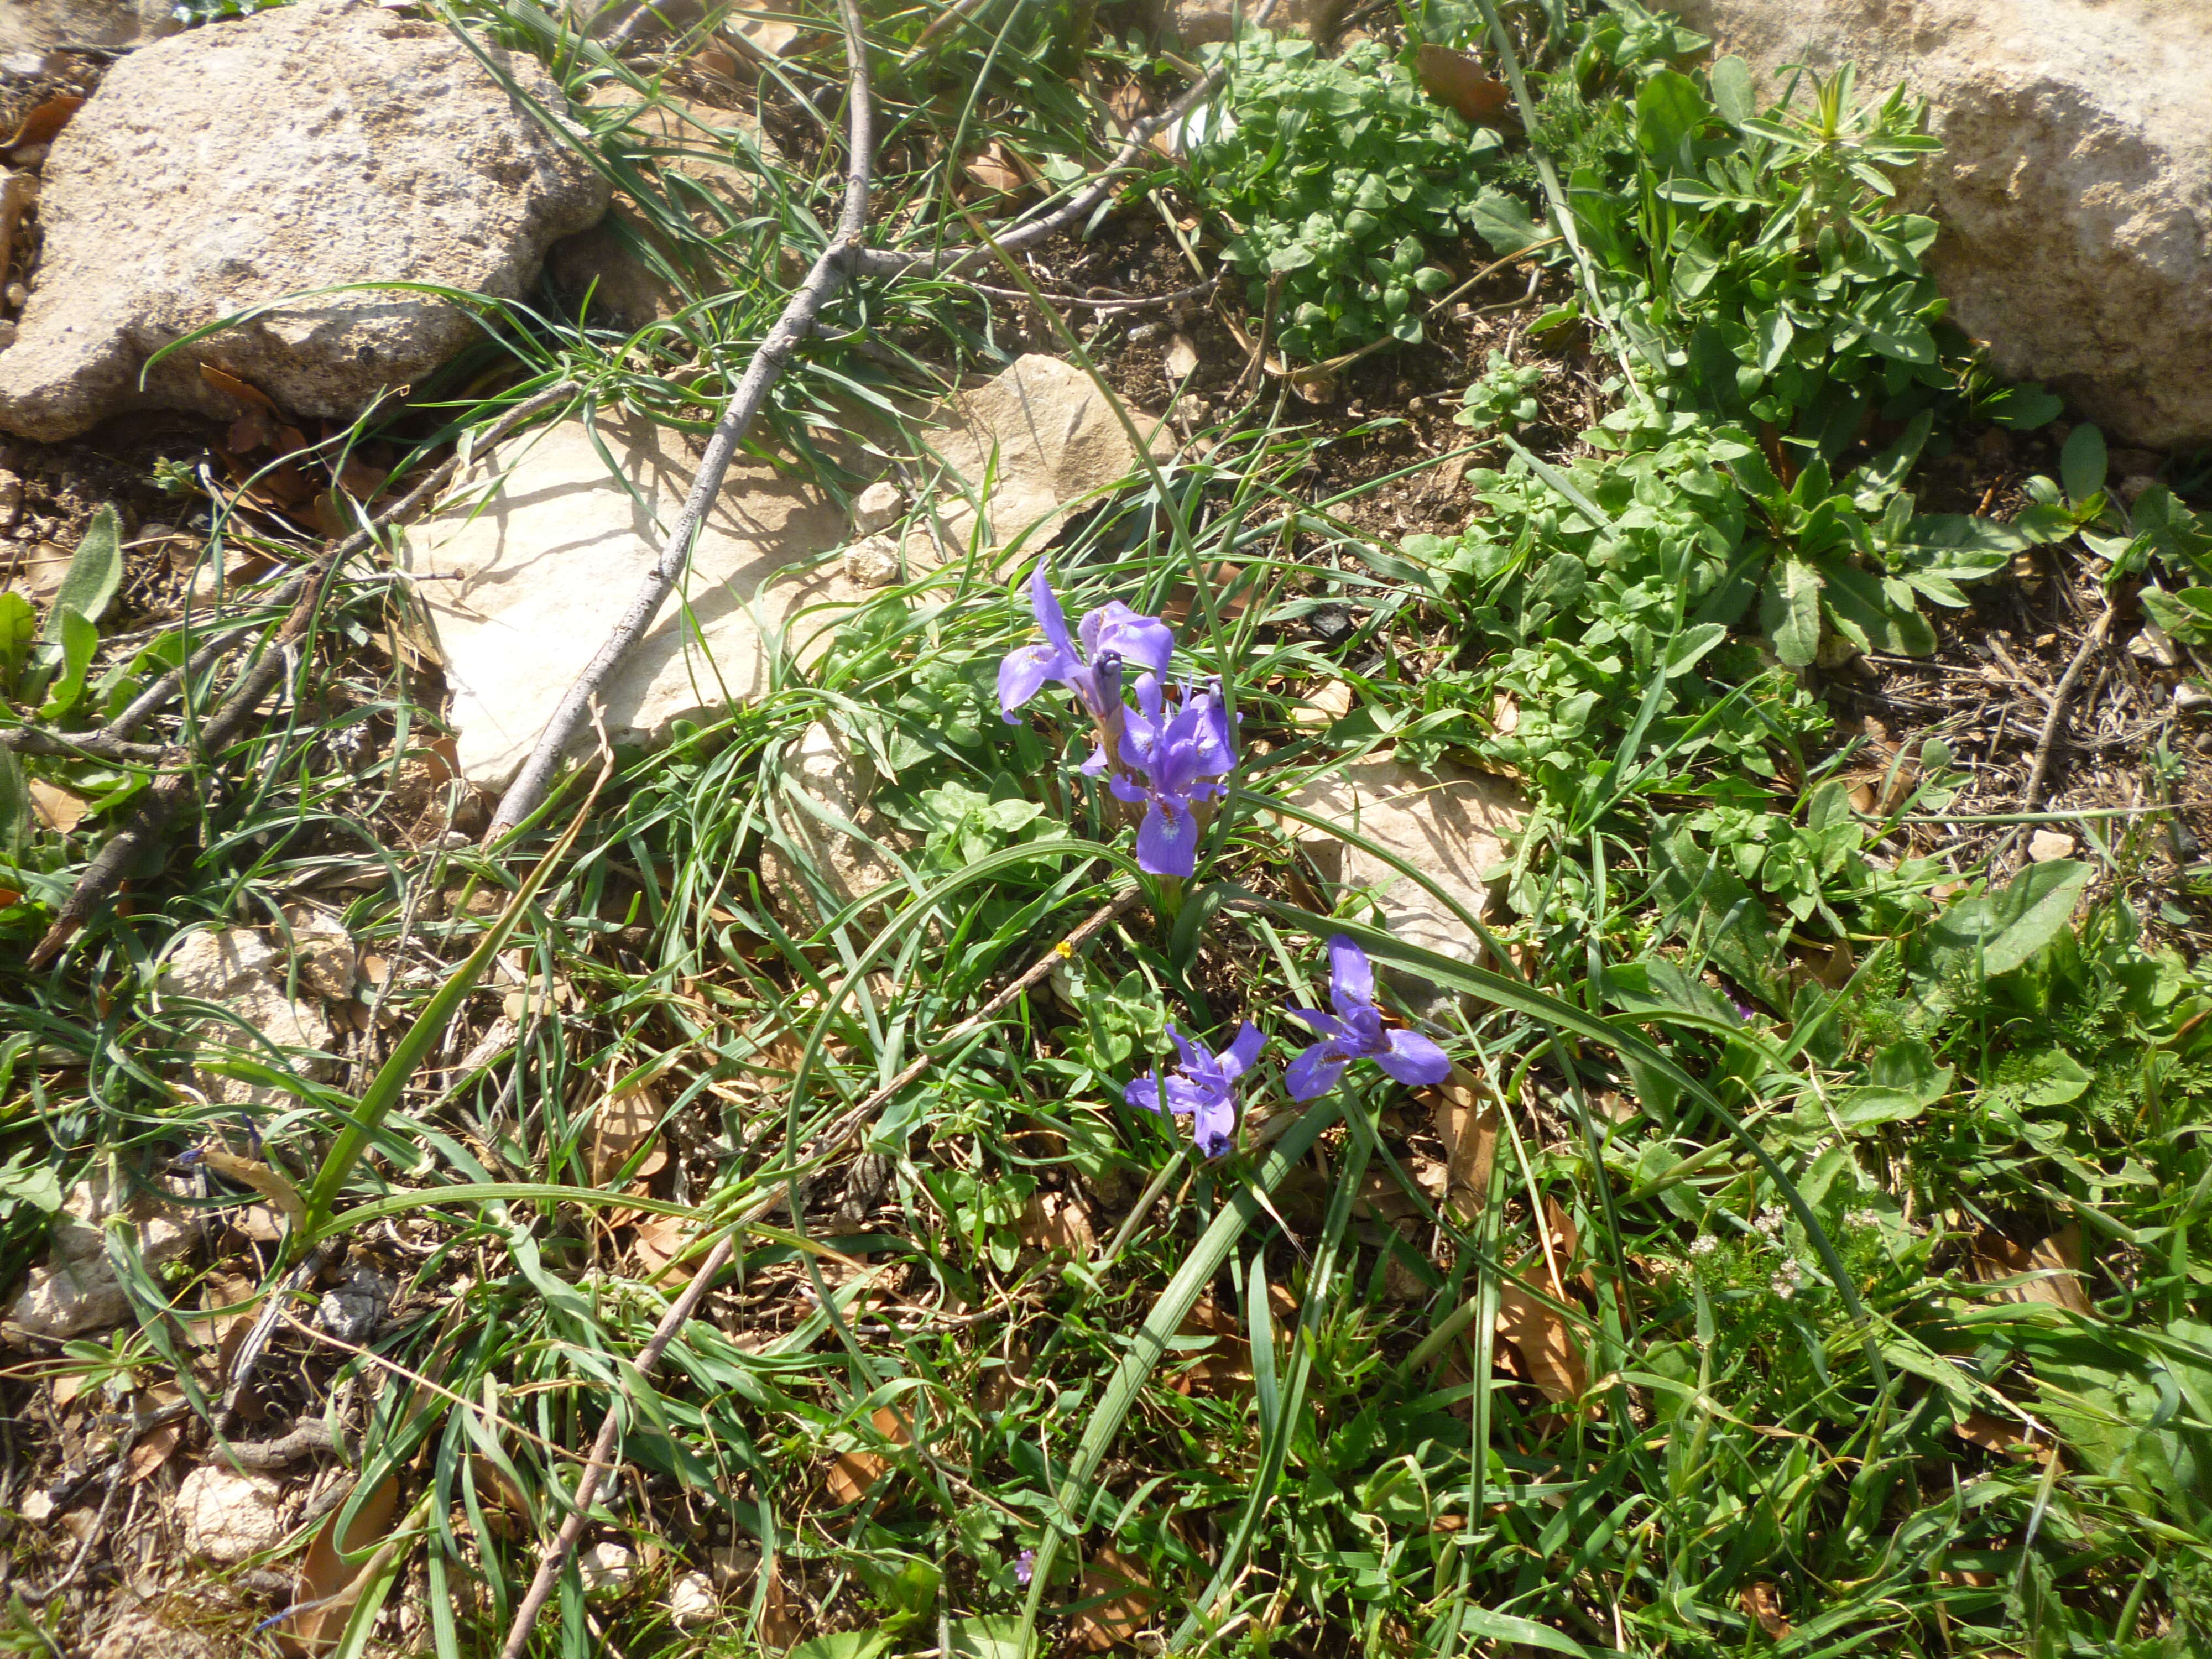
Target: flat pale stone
[243,970]
[228,1515]
[1454,826]
[527,569]
[77,1290]
[1045,439]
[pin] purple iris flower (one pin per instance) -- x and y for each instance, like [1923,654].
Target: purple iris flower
[1174,765]
[1111,637]
[1355,1032]
[1203,1088]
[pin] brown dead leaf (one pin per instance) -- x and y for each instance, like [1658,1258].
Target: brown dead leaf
[153,1450]
[659,1240]
[40,125]
[56,808]
[854,1472]
[1540,1335]
[994,169]
[625,1120]
[231,387]
[328,1589]
[1225,1369]
[1128,104]
[1764,1603]
[1458,82]
[1125,1600]
[2057,1259]
[1999,1435]
[1465,1115]
[1561,1233]
[1056,1221]
[9,896]
[779,1623]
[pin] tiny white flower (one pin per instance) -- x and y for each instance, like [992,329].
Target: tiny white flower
[1705,1244]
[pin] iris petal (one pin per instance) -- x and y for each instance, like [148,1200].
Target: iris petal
[1314,1072]
[1351,978]
[1411,1058]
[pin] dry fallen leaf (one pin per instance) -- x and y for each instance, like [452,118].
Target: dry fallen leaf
[625,1121]
[1182,358]
[994,169]
[779,1622]
[1999,1435]
[328,1589]
[1127,1606]
[659,1240]
[854,1472]
[56,808]
[2057,1259]
[231,387]
[1055,1221]
[271,1184]
[40,125]
[1763,1603]
[153,1450]
[1465,1115]
[1540,1335]
[1225,1368]
[1457,81]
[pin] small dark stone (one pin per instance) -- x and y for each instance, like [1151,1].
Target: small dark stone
[1332,623]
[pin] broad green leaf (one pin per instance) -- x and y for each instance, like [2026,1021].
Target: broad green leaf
[2187,614]
[2006,928]
[1734,96]
[14,802]
[19,626]
[1774,331]
[96,572]
[997,1636]
[1792,612]
[1874,618]
[2081,464]
[1669,109]
[80,640]
[1503,222]
[844,1645]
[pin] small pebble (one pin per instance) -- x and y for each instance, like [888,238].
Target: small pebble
[691,1601]
[29,155]
[872,562]
[17,295]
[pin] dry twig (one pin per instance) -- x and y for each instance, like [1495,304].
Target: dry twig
[2032,796]
[797,322]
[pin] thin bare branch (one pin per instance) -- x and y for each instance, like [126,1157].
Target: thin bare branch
[797,322]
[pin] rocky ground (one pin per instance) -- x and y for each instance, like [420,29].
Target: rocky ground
[355,1152]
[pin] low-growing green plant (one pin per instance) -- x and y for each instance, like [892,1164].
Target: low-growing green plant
[1341,182]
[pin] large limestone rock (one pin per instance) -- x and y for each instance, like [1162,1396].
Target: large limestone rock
[544,545]
[541,545]
[332,142]
[1453,826]
[33,25]
[2074,185]
[1043,439]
